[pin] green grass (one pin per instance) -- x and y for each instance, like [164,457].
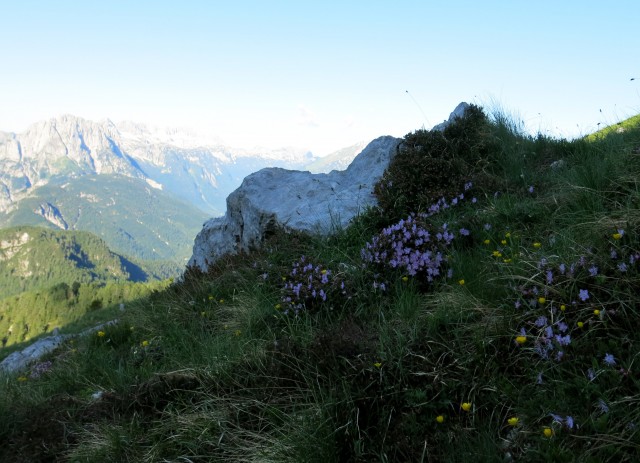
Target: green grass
[213,369]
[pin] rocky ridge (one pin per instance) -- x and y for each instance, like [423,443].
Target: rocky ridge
[293,200]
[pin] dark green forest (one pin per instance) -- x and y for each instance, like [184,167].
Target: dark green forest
[32,313]
[50,278]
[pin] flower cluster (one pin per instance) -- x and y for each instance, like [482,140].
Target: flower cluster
[309,285]
[551,337]
[411,247]
[40,369]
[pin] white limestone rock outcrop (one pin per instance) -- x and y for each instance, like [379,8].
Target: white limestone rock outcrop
[295,200]
[22,359]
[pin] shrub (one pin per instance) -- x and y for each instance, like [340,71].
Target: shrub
[430,165]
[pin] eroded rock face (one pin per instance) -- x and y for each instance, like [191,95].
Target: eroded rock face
[295,200]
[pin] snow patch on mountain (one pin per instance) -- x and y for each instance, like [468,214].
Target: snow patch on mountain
[154,184]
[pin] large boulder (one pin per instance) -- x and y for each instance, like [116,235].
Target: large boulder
[278,198]
[294,200]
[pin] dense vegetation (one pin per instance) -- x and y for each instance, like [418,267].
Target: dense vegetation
[28,315]
[36,258]
[497,322]
[49,278]
[133,218]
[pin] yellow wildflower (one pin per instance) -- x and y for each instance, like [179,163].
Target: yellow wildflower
[513,421]
[221,301]
[580,325]
[507,235]
[144,343]
[377,364]
[461,282]
[405,278]
[542,300]
[487,241]
[22,379]
[503,242]
[440,419]
[617,236]
[278,306]
[521,339]
[537,245]
[563,307]
[596,312]
[466,406]
[548,432]
[101,334]
[497,254]
[324,272]
[506,261]
[237,332]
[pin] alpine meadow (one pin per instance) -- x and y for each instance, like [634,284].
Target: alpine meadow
[485,310]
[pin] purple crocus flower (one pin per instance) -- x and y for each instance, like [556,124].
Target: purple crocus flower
[569,422]
[583,295]
[609,359]
[541,321]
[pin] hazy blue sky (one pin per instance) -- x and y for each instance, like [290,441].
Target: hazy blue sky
[318,74]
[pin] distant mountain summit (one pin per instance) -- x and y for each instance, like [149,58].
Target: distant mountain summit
[193,168]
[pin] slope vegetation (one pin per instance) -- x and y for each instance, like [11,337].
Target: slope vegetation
[487,310]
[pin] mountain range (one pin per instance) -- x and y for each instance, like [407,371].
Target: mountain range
[144,191]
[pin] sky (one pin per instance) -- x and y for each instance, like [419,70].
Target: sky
[319,75]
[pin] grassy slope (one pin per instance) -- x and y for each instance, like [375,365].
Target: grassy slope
[212,369]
